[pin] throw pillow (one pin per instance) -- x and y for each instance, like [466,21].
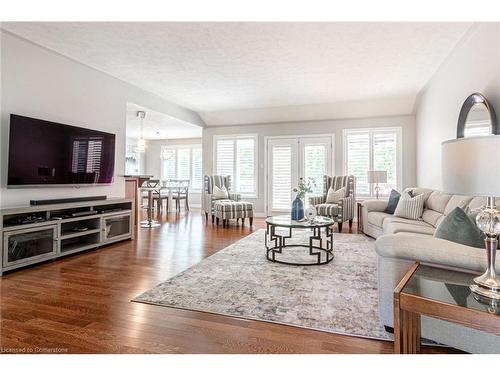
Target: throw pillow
[334,196]
[220,193]
[458,227]
[410,207]
[393,202]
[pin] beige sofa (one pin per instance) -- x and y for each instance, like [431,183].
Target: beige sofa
[401,242]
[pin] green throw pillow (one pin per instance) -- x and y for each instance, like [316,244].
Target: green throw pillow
[458,227]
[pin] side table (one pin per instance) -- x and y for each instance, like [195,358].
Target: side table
[442,294]
[360,217]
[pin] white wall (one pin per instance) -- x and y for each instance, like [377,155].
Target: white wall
[153,162]
[37,82]
[473,66]
[407,123]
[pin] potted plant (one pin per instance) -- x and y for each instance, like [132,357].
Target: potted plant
[304,187]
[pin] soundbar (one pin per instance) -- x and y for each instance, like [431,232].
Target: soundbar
[39,202]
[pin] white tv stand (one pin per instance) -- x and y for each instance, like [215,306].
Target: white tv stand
[56,233]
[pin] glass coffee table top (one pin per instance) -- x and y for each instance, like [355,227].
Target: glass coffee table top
[451,287]
[287,222]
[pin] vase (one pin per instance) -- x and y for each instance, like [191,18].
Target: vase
[297,209]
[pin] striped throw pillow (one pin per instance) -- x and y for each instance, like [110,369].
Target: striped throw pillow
[410,207]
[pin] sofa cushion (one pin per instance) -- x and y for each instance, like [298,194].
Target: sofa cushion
[395,224]
[437,201]
[418,190]
[431,217]
[410,207]
[459,228]
[457,201]
[393,202]
[377,218]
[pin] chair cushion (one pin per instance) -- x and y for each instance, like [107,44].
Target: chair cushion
[334,196]
[327,209]
[220,193]
[228,205]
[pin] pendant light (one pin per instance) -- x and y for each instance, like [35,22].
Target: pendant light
[141,144]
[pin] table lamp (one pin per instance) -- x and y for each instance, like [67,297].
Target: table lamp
[377,177]
[471,166]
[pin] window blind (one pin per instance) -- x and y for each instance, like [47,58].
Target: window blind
[282,177]
[385,159]
[315,165]
[197,169]
[358,159]
[183,164]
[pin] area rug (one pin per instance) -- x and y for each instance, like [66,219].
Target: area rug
[238,281]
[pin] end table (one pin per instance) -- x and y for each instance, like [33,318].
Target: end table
[447,297]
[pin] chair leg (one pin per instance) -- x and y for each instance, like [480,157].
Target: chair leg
[242,221]
[340,226]
[251,221]
[213,218]
[216,221]
[350,223]
[187,203]
[158,205]
[206,216]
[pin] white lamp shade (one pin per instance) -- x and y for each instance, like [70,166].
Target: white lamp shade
[377,177]
[471,166]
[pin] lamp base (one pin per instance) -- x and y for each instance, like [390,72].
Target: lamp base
[485,292]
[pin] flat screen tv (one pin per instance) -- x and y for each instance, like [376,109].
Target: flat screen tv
[44,153]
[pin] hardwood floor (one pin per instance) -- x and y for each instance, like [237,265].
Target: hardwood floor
[81,304]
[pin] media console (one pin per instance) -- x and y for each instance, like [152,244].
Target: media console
[35,234]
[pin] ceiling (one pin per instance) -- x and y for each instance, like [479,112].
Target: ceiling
[243,68]
[157,125]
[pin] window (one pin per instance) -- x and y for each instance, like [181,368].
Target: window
[182,162]
[236,157]
[373,149]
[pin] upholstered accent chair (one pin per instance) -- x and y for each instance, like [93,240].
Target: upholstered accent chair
[208,188]
[342,210]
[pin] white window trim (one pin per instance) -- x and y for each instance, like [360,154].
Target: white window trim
[234,137]
[176,148]
[399,152]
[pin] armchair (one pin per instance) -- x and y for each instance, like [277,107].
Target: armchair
[208,198]
[342,210]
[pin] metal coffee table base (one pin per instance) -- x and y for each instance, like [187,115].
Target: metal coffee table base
[314,251]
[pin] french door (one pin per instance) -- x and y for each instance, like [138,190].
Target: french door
[289,159]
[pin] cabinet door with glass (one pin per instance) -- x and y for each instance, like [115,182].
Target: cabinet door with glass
[116,227]
[25,246]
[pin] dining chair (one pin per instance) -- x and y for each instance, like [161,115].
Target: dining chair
[180,192]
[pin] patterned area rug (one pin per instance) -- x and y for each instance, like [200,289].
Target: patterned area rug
[239,281]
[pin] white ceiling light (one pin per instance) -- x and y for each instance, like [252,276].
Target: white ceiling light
[141,144]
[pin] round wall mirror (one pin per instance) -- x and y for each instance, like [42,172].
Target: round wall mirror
[477,118]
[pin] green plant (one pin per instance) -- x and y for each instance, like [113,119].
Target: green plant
[304,187]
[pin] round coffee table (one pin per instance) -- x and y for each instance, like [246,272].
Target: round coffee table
[315,225]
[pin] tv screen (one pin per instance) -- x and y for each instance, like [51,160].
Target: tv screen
[47,153]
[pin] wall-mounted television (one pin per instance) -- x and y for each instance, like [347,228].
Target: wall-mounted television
[45,153]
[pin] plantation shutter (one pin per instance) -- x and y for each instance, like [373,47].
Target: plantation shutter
[385,158]
[358,159]
[245,165]
[183,163]
[197,172]
[225,157]
[315,165]
[281,177]
[169,164]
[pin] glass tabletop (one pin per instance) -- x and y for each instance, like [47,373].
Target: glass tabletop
[451,287]
[286,221]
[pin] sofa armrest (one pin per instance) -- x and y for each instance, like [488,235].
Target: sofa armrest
[314,200]
[428,249]
[375,205]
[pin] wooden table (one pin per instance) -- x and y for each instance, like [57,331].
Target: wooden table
[421,292]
